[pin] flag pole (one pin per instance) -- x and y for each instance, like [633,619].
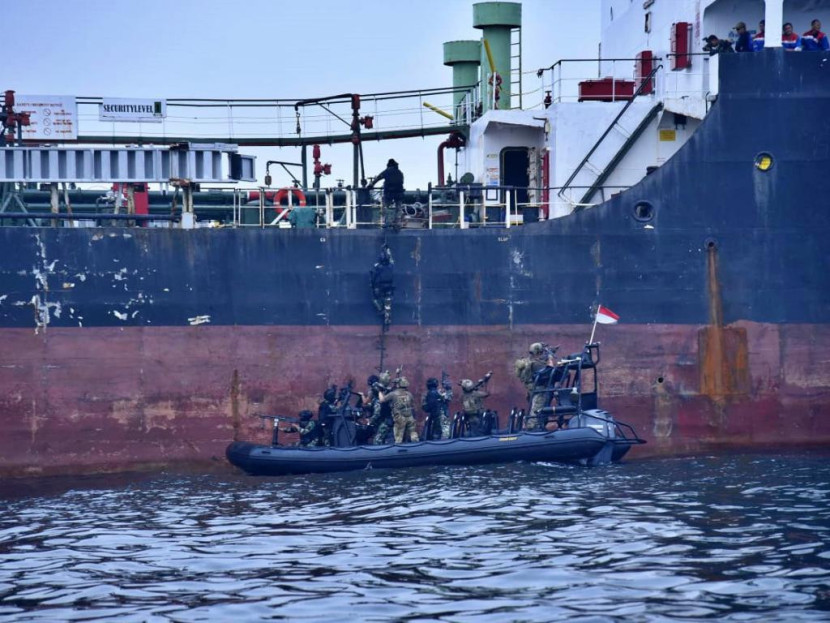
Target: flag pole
[594,328]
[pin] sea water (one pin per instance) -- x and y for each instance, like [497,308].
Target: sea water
[727,538]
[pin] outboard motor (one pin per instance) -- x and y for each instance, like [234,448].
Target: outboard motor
[598,419]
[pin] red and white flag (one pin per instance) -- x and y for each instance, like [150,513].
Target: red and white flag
[606,316]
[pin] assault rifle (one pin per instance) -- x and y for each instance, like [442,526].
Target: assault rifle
[482,381]
[549,351]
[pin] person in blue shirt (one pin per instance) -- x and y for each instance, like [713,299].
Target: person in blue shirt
[744,42]
[814,39]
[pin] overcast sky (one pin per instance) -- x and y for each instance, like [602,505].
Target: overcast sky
[271,49]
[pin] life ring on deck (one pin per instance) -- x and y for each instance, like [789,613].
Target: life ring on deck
[282,193]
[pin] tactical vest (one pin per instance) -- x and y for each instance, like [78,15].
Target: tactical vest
[402,404]
[472,402]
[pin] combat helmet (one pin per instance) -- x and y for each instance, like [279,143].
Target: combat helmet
[467,385]
[372,380]
[329,395]
[305,415]
[384,378]
[536,348]
[432,383]
[403,383]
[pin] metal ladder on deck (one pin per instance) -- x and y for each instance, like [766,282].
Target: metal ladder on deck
[515,67]
[601,172]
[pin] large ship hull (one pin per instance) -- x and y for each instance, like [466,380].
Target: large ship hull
[130,346]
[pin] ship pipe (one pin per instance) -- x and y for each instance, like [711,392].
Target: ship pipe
[455,140]
[441,179]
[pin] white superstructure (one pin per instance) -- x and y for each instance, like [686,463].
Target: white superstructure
[593,139]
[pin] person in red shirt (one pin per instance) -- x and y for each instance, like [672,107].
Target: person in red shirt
[758,39]
[814,39]
[789,40]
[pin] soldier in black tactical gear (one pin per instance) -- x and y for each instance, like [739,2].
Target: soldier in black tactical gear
[308,429]
[382,279]
[392,177]
[436,404]
[326,414]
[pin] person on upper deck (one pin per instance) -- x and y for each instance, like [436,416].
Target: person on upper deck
[789,40]
[717,46]
[758,39]
[392,178]
[815,40]
[744,42]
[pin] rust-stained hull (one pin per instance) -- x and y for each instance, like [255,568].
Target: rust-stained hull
[108,398]
[130,346]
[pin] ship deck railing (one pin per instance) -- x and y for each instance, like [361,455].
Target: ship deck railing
[455,207]
[450,207]
[562,79]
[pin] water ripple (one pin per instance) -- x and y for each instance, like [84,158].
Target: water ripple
[742,539]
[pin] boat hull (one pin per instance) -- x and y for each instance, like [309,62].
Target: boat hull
[566,446]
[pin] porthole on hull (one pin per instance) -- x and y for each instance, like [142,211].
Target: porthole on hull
[643,211]
[764,161]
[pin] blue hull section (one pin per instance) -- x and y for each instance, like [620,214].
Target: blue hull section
[567,446]
[767,232]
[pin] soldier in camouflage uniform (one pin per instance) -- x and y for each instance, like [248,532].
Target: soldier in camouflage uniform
[436,403]
[402,411]
[308,429]
[536,378]
[472,401]
[368,403]
[381,419]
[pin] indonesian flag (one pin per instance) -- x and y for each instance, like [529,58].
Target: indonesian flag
[606,316]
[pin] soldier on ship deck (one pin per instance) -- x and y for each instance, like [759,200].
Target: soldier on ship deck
[392,178]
